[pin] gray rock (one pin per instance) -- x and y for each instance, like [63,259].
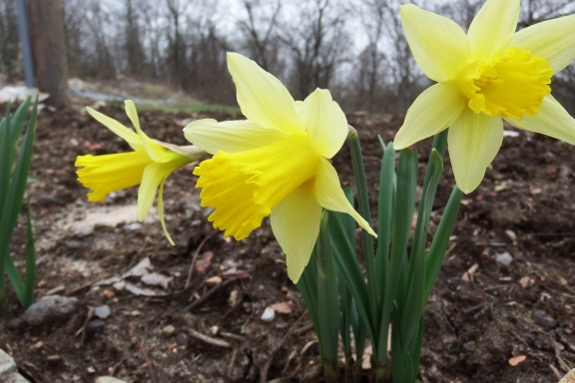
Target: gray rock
[133,226]
[47,200]
[168,330]
[504,259]
[15,324]
[84,231]
[544,320]
[108,379]
[7,366]
[50,308]
[95,326]
[73,244]
[182,339]
[102,312]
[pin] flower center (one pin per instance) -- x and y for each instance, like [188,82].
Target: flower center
[509,86]
[244,187]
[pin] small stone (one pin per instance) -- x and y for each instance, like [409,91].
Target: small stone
[47,200]
[73,244]
[544,320]
[15,324]
[95,325]
[168,330]
[133,226]
[504,259]
[38,345]
[84,231]
[53,358]
[456,281]
[91,370]
[182,339]
[268,315]
[7,365]
[102,312]
[108,379]
[50,308]
[109,293]
[213,281]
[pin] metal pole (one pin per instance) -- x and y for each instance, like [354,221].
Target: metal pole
[25,43]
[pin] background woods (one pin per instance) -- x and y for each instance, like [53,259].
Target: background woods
[356,48]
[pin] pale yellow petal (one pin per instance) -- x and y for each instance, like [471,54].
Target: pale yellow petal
[473,141]
[117,128]
[492,29]
[329,194]
[324,121]
[154,150]
[161,213]
[262,98]
[554,40]
[154,174]
[295,223]
[433,111]
[551,120]
[438,44]
[230,136]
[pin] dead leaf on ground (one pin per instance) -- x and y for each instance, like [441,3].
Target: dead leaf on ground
[516,360]
[283,308]
[204,263]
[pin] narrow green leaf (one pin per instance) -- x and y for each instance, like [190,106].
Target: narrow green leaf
[385,214]
[438,247]
[328,299]
[30,278]
[6,162]
[364,210]
[15,280]
[403,215]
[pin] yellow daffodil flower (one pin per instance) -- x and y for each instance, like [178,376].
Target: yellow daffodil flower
[490,74]
[275,163]
[148,165]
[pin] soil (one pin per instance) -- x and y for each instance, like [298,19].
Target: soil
[481,316]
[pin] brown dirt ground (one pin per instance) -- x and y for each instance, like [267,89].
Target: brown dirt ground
[479,315]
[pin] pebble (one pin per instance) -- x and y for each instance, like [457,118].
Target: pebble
[73,244]
[108,379]
[95,325]
[84,231]
[268,315]
[53,358]
[168,330]
[133,226]
[504,259]
[47,200]
[102,312]
[50,308]
[182,339]
[544,320]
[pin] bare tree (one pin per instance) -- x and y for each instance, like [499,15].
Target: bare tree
[49,50]
[259,32]
[8,40]
[133,45]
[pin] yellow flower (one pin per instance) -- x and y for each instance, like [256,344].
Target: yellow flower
[149,165]
[490,74]
[275,163]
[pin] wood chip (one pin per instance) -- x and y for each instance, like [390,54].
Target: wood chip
[282,308]
[209,340]
[213,281]
[516,360]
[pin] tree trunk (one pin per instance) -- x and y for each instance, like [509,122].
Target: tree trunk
[49,50]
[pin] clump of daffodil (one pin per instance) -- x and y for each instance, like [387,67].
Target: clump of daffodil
[275,163]
[490,74]
[148,165]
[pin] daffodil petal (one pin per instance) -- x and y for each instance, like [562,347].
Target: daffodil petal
[492,29]
[438,44]
[329,194]
[262,98]
[154,150]
[473,141]
[433,111]
[154,174]
[118,129]
[230,136]
[161,213]
[551,120]
[324,121]
[295,223]
[554,40]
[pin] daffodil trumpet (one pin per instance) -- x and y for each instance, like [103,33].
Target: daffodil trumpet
[148,165]
[489,75]
[275,163]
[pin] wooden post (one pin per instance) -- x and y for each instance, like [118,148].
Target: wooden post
[49,50]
